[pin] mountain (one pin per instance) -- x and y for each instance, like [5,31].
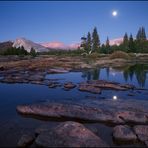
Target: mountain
[60,45]
[5,45]
[27,44]
[116,41]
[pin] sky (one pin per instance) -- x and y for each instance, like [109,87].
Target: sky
[68,21]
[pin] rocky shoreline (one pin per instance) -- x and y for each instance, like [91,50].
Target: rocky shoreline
[129,122]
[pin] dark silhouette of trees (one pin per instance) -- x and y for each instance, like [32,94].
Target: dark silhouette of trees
[32,52]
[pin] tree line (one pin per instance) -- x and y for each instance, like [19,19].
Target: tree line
[19,51]
[91,43]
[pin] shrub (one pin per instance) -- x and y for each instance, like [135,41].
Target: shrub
[119,54]
[93,55]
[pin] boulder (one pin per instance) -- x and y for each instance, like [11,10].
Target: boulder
[142,132]
[69,134]
[123,133]
[45,128]
[26,140]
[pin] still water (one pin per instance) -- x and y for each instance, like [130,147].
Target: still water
[12,95]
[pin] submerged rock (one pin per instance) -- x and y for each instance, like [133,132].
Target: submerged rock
[70,134]
[26,140]
[123,133]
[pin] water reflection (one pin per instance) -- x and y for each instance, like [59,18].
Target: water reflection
[129,74]
[115,98]
[92,74]
[138,70]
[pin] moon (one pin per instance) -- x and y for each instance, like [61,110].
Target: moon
[114,13]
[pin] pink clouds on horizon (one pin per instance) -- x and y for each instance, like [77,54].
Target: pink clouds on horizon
[116,41]
[60,45]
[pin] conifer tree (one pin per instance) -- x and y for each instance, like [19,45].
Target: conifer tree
[131,44]
[95,40]
[88,43]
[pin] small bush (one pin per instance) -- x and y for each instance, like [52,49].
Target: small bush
[93,55]
[119,54]
[132,55]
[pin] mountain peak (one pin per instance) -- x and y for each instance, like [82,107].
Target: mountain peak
[27,44]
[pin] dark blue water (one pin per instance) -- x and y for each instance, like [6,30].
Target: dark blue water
[12,95]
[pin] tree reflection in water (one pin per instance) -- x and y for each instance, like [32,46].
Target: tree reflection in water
[137,71]
[92,74]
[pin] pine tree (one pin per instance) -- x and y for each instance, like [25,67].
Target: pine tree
[32,52]
[88,43]
[143,34]
[125,39]
[138,36]
[95,40]
[83,42]
[131,44]
[107,45]
[125,43]
[107,42]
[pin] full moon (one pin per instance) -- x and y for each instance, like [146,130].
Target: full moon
[114,13]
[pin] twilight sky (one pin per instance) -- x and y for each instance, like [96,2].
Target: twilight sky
[68,21]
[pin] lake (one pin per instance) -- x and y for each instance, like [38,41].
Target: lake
[12,125]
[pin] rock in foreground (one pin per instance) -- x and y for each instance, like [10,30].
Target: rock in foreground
[142,132]
[123,133]
[67,111]
[26,140]
[69,134]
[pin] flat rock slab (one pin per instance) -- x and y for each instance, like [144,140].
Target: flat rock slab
[123,133]
[107,85]
[67,111]
[70,134]
[90,88]
[142,132]
[132,117]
